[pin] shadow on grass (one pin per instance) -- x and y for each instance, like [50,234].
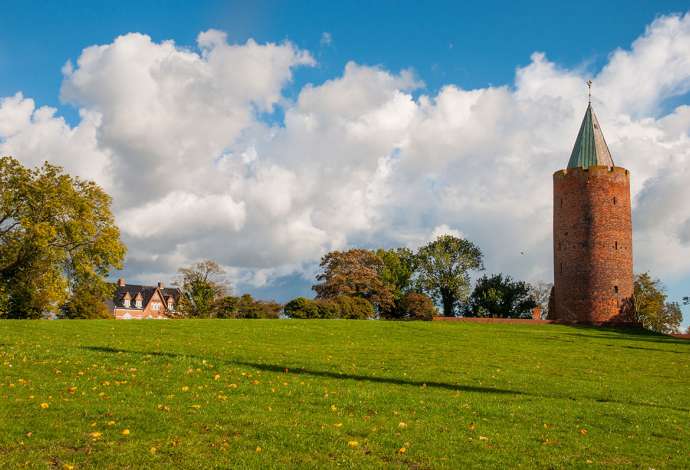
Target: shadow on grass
[320,373]
[623,335]
[384,380]
[651,349]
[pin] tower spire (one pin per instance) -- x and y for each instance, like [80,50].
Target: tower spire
[590,147]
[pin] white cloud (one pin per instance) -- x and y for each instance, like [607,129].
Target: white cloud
[175,135]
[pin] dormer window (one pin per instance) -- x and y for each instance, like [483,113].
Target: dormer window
[137,301]
[126,303]
[170,305]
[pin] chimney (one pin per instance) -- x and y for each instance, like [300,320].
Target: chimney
[121,282]
[160,285]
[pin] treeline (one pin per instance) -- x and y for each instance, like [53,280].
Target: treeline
[399,284]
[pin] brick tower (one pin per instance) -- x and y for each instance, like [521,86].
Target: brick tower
[592,234]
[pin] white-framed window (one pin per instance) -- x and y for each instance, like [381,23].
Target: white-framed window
[126,303]
[155,306]
[170,305]
[138,303]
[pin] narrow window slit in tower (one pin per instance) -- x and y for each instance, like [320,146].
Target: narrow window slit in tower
[614,200]
[561,202]
[615,289]
[561,268]
[616,245]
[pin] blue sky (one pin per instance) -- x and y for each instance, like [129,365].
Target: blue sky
[468,45]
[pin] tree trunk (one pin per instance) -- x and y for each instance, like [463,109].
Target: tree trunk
[448,301]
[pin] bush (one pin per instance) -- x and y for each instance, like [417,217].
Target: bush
[416,306]
[301,307]
[328,308]
[354,308]
[246,307]
[500,296]
[342,306]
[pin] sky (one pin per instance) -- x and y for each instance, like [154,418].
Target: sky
[264,134]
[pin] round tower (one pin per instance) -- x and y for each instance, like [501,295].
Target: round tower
[592,234]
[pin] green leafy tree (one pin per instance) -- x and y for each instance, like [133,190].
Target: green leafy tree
[399,265]
[443,270]
[202,285]
[84,303]
[57,237]
[354,273]
[500,296]
[651,307]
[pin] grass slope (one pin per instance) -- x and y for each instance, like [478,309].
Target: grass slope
[314,393]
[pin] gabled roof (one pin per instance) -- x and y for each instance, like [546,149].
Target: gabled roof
[590,147]
[146,292]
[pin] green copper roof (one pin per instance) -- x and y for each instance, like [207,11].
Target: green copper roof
[590,147]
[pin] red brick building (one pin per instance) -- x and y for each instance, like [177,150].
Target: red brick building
[592,234]
[132,301]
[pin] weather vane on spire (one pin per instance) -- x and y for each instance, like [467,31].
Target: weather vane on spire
[589,85]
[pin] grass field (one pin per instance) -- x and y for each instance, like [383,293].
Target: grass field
[276,393]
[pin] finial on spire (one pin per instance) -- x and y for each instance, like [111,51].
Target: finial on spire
[589,85]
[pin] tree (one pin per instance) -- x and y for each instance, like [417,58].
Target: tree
[444,267]
[354,273]
[541,293]
[399,265]
[84,303]
[686,300]
[500,296]
[201,285]
[651,307]
[57,237]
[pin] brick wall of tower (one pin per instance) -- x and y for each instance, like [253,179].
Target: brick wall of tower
[592,234]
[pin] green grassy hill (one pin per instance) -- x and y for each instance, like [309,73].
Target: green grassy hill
[275,393]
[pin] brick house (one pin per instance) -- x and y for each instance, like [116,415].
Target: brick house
[132,301]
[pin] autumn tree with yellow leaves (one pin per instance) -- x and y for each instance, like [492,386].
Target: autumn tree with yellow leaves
[58,240]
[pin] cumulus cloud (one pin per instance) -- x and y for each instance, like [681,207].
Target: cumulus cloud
[177,136]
